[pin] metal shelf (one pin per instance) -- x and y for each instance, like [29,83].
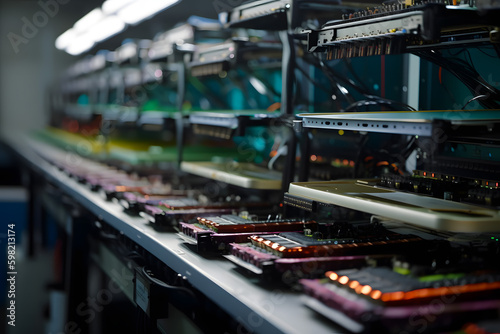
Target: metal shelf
[261,309]
[234,120]
[420,123]
[424,211]
[245,175]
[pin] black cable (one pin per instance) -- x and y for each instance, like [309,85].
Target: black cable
[334,80]
[250,73]
[478,48]
[486,53]
[467,52]
[467,75]
[167,286]
[207,92]
[450,93]
[390,102]
[473,99]
[348,64]
[341,79]
[311,80]
[235,79]
[410,147]
[316,84]
[134,255]
[362,143]
[372,99]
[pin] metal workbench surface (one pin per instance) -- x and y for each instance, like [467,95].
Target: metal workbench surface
[261,309]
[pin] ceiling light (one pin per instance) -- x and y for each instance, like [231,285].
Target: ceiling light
[89,20]
[106,28]
[65,39]
[112,6]
[141,10]
[79,46]
[100,24]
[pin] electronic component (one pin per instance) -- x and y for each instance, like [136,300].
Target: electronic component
[296,245]
[226,124]
[116,190]
[468,153]
[93,174]
[274,14]
[214,59]
[132,51]
[161,217]
[344,244]
[173,211]
[252,69]
[397,28]
[112,183]
[165,44]
[379,298]
[206,239]
[258,14]
[450,187]
[134,202]
[289,270]
[215,232]
[232,223]
[181,39]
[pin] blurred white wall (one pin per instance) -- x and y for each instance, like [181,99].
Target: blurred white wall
[29,62]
